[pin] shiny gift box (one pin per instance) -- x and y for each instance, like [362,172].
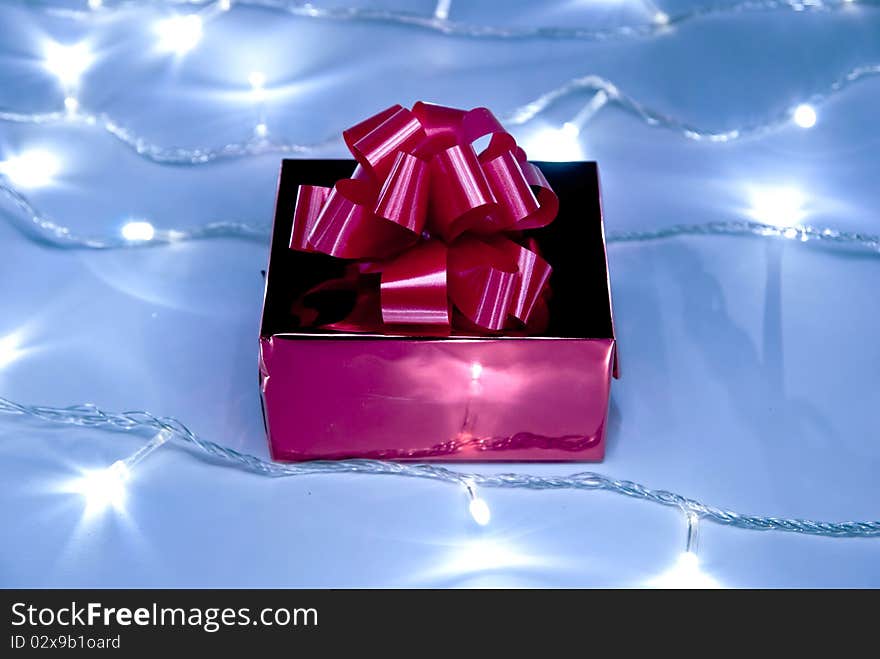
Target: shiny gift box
[333,395]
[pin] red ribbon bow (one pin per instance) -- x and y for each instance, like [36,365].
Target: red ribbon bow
[435,219]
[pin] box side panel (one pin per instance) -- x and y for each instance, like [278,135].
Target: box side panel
[502,400]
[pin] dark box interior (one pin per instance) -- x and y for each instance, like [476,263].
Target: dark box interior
[580,304]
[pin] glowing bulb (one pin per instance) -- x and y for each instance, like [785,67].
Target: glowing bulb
[95,4]
[103,488]
[261,130]
[478,508]
[555,144]
[661,18]
[257,79]
[71,104]
[31,169]
[570,129]
[686,573]
[67,62]
[804,116]
[476,370]
[138,230]
[777,206]
[179,34]
[441,10]
[224,5]
[480,511]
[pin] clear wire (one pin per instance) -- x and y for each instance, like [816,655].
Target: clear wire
[591,85]
[445,26]
[44,230]
[144,423]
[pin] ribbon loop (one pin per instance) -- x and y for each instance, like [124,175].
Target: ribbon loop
[426,221]
[460,193]
[413,286]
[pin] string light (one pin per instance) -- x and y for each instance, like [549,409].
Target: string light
[554,144]
[67,62]
[781,206]
[549,144]
[477,507]
[71,104]
[257,80]
[686,572]
[804,115]
[107,488]
[90,416]
[572,128]
[31,169]
[179,34]
[441,9]
[45,230]
[439,23]
[138,230]
[102,489]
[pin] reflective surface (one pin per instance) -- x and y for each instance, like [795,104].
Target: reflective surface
[344,395]
[750,366]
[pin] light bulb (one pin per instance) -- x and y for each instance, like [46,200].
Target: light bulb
[661,18]
[571,129]
[95,4]
[555,144]
[804,116]
[179,34]
[103,488]
[138,230]
[685,573]
[71,104]
[224,5]
[31,169]
[479,510]
[67,62]
[779,206]
[441,9]
[261,130]
[257,79]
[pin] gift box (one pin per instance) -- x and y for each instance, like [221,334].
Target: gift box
[506,396]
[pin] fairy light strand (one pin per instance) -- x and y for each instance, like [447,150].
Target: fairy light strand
[44,230]
[656,24]
[142,423]
[652,117]
[603,93]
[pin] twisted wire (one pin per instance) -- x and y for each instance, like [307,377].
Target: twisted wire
[141,422]
[257,146]
[170,155]
[652,117]
[868,243]
[45,231]
[654,25]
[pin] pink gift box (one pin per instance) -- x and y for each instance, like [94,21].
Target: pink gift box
[332,395]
